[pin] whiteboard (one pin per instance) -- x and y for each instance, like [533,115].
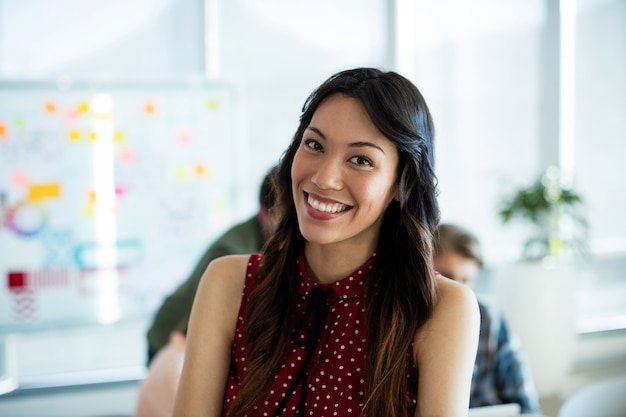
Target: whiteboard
[108,194]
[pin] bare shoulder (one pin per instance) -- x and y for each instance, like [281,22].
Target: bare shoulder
[212,328]
[227,271]
[456,308]
[445,351]
[453,295]
[222,285]
[218,299]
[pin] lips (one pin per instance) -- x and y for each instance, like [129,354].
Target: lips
[326,206]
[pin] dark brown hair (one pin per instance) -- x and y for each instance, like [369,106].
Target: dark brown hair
[459,240]
[401,291]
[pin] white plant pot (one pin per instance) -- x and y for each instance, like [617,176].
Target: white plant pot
[537,300]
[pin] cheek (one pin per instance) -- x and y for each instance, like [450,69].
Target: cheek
[381,192]
[296,168]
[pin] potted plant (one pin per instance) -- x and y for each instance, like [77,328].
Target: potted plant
[554,213]
[536,293]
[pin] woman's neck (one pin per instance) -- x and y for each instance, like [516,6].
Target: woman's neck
[327,264]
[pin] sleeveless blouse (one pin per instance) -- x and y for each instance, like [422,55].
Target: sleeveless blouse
[335,374]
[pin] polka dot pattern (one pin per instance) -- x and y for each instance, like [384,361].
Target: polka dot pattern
[336,376]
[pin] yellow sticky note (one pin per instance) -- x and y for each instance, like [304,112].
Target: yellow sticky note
[40,191]
[74,135]
[180,173]
[118,137]
[83,108]
[213,104]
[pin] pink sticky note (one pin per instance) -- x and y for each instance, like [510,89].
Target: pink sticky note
[20,179]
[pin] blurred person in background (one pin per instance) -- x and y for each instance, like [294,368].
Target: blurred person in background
[246,237]
[501,374]
[157,390]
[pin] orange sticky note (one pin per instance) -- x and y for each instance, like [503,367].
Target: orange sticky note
[91,197]
[4,131]
[149,108]
[41,191]
[200,170]
[50,107]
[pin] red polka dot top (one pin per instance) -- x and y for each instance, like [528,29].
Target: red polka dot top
[331,376]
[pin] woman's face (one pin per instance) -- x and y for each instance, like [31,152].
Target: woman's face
[343,175]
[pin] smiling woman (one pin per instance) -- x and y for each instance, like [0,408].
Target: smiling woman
[346,276]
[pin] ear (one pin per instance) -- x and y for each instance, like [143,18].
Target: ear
[396,193]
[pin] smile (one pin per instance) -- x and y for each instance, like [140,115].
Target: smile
[326,207]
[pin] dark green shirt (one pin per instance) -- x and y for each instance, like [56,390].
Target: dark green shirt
[243,238]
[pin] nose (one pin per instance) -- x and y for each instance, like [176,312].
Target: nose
[328,175]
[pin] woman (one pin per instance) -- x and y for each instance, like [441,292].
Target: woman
[343,310]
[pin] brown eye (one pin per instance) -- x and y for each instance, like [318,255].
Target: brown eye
[313,144]
[361,160]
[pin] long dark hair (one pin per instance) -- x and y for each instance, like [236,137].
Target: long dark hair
[401,291]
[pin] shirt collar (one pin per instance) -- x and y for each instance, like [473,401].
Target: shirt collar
[350,286]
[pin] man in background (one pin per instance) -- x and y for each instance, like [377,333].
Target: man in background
[246,237]
[500,373]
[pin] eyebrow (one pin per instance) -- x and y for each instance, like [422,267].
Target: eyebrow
[357,144]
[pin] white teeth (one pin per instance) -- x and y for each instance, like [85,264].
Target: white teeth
[326,208]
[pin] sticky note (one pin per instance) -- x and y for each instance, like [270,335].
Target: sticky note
[127,155]
[20,179]
[41,191]
[200,170]
[83,108]
[71,115]
[149,108]
[184,139]
[16,280]
[88,211]
[91,197]
[50,107]
[180,173]
[74,135]
[213,104]
[118,137]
